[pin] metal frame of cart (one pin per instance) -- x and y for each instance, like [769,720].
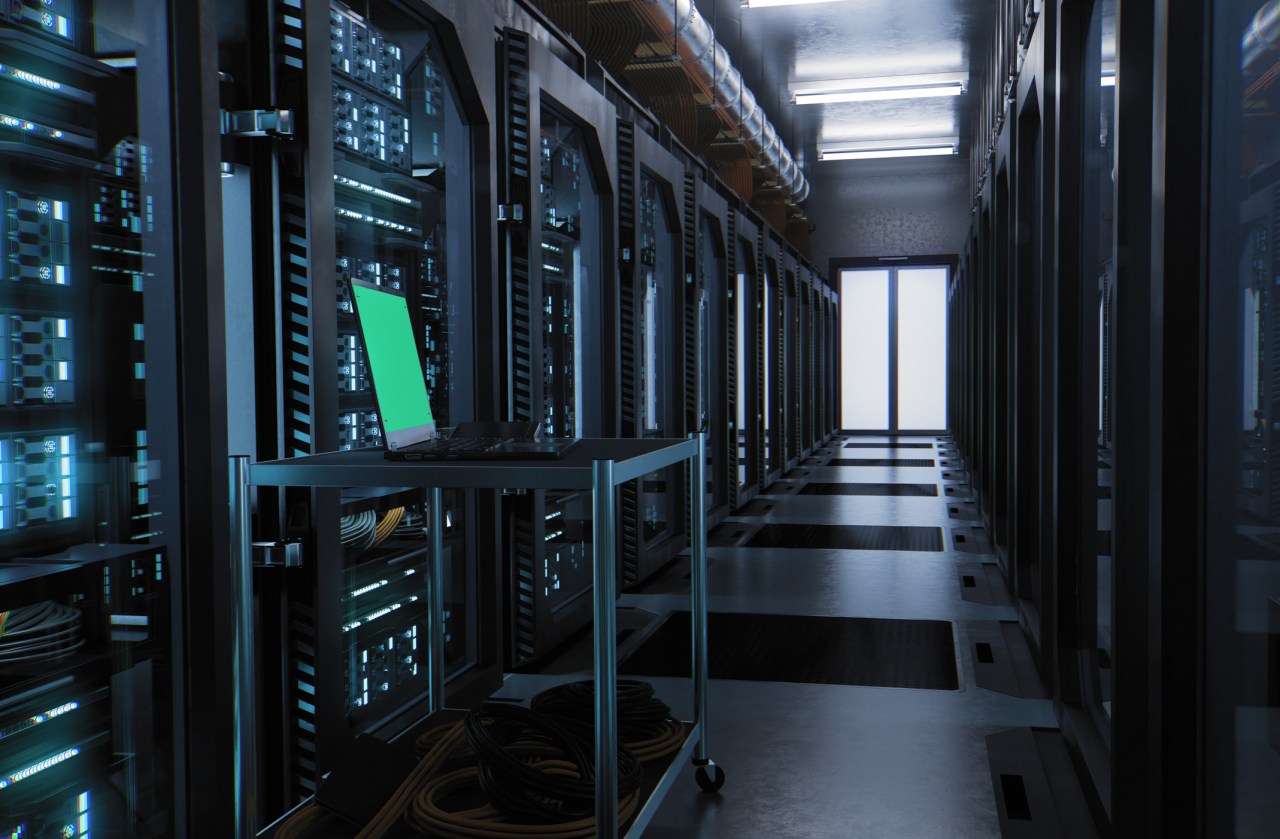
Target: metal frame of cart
[600,465]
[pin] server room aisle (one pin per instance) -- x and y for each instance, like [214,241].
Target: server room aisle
[833,761]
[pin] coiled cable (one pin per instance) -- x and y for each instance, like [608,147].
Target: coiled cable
[395,806]
[39,632]
[412,525]
[430,814]
[511,772]
[645,724]
[540,769]
[388,524]
[358,530]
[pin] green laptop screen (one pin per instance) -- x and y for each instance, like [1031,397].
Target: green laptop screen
[392,358]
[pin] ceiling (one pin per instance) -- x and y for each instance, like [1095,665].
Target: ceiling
[774,47]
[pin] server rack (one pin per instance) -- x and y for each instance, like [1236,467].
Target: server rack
[818,374]
[748,366]
[837,359]
[87,528]
[653,225]
[710,307]
[805,394]
[390,134]
[773,348]
[561,320]
[831,357]
[1260,482]
[827,363]
[790,367]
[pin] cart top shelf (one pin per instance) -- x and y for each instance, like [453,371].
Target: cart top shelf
[632,459]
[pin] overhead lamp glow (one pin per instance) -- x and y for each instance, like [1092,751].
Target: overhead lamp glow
[760,4]
[920,86]
[880,149]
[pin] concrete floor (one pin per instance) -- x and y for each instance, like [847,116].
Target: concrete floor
[836,762]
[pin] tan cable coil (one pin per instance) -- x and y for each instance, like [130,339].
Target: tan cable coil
[388,524]
[394,808]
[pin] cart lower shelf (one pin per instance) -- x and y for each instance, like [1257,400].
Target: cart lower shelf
[659,777]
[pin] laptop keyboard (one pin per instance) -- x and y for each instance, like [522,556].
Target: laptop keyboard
[457,444]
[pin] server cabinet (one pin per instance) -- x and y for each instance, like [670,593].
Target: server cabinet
[653,224]
[709,308]
[819,369]
[790,366]
[828,353]
[377,184]
[834,351]
[837,359]
[773,348]
[805,394]
[747,389]
[557,175]
[90,693]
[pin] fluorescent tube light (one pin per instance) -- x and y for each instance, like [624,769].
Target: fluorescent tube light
[880,88]
[759,4]
[878,95]
[930,147]
[872,154]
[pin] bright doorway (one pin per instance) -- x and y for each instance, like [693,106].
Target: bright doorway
[894,347]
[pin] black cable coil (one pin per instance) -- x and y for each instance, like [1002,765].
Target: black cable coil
[645,723]
[539,769]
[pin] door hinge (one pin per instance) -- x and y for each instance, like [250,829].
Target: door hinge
[258,123]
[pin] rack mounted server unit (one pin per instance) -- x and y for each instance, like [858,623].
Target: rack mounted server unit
[654,217]
[556,188]
[710,323]
[375,188]
[748,397]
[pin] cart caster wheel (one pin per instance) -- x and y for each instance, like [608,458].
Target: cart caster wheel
[709,781]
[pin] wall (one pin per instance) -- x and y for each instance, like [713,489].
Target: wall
[889,208]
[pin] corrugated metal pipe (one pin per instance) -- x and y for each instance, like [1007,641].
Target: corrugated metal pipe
[1261,39]
[711,62]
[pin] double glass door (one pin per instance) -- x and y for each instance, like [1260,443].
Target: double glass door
[894,339]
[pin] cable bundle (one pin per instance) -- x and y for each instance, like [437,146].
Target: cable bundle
[411,526]
[359,530]
[533,776]
[42,631]
[645,724]
[388,524]
[538,768]
[509,771]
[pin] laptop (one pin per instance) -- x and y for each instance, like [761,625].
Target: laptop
[400,390]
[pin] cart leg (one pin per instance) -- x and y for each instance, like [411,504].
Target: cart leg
[435,605]
[241,570]
[606,652]
[709,776]
[698,558]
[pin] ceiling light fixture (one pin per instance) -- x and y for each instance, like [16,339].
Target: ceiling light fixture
[881,88]
[930,147]
[759,4]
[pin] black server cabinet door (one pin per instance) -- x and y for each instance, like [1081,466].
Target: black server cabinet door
[561,322]
[749,367]
[652,342]
[377,185]
[91,526]
[708,306]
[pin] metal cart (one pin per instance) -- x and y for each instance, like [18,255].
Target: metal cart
[600,465]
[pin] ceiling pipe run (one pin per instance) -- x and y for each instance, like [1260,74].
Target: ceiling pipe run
[711,63]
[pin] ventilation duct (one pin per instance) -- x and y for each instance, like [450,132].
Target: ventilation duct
[710,63]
